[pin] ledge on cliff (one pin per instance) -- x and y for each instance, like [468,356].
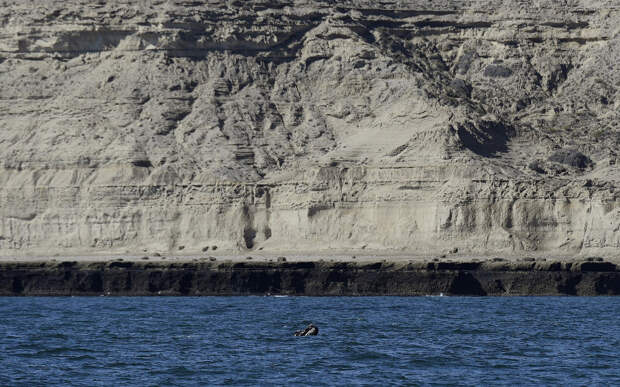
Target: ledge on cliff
[310,278]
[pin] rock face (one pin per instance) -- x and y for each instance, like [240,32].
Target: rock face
[412,125]
[309,278]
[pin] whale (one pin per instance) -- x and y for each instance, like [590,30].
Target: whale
[311,330]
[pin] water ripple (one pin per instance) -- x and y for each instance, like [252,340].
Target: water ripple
[363,341]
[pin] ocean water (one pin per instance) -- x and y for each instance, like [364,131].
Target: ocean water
[362,341]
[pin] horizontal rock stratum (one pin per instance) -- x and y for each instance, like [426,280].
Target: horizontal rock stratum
[205,278]
[481,126]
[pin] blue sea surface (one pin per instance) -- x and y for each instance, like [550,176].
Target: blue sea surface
[362,341]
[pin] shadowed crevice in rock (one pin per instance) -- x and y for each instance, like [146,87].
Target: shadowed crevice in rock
[569,285]
[571,157]
[248,236]
[598,266]
[485,138]
[142,163]
[186,283]
[17,286]
[465,284]
[607,284]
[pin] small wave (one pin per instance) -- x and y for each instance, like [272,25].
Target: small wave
[380,340]
[175,371]
[53,351]
[81,358]
[435,295]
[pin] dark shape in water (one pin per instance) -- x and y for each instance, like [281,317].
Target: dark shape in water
[311,330]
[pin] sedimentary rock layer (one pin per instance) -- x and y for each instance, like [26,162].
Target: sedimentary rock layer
[310,278]
[418,126]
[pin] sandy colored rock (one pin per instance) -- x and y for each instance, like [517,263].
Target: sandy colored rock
[482,127]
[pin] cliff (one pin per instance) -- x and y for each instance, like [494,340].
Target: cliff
[412,126]
[206,278]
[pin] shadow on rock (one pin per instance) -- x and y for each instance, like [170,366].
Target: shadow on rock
[465,284]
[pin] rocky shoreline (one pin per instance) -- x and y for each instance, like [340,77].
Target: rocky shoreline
[204,277]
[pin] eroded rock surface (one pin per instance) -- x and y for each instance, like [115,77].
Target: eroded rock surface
[309,125]
[421,278]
